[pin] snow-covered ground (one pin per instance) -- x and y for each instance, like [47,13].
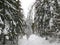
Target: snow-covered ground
[35,40]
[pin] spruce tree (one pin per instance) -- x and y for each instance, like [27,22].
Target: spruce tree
[46,17]
[12,18]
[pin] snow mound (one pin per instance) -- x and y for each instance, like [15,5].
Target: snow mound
[35,40]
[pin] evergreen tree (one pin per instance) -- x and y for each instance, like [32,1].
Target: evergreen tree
[12,19]
[45,18]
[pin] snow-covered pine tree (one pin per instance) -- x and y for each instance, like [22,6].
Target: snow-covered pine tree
[42,15]
[46,13]
[12,18]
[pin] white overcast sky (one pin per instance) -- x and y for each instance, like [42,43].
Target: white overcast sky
[26,5]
